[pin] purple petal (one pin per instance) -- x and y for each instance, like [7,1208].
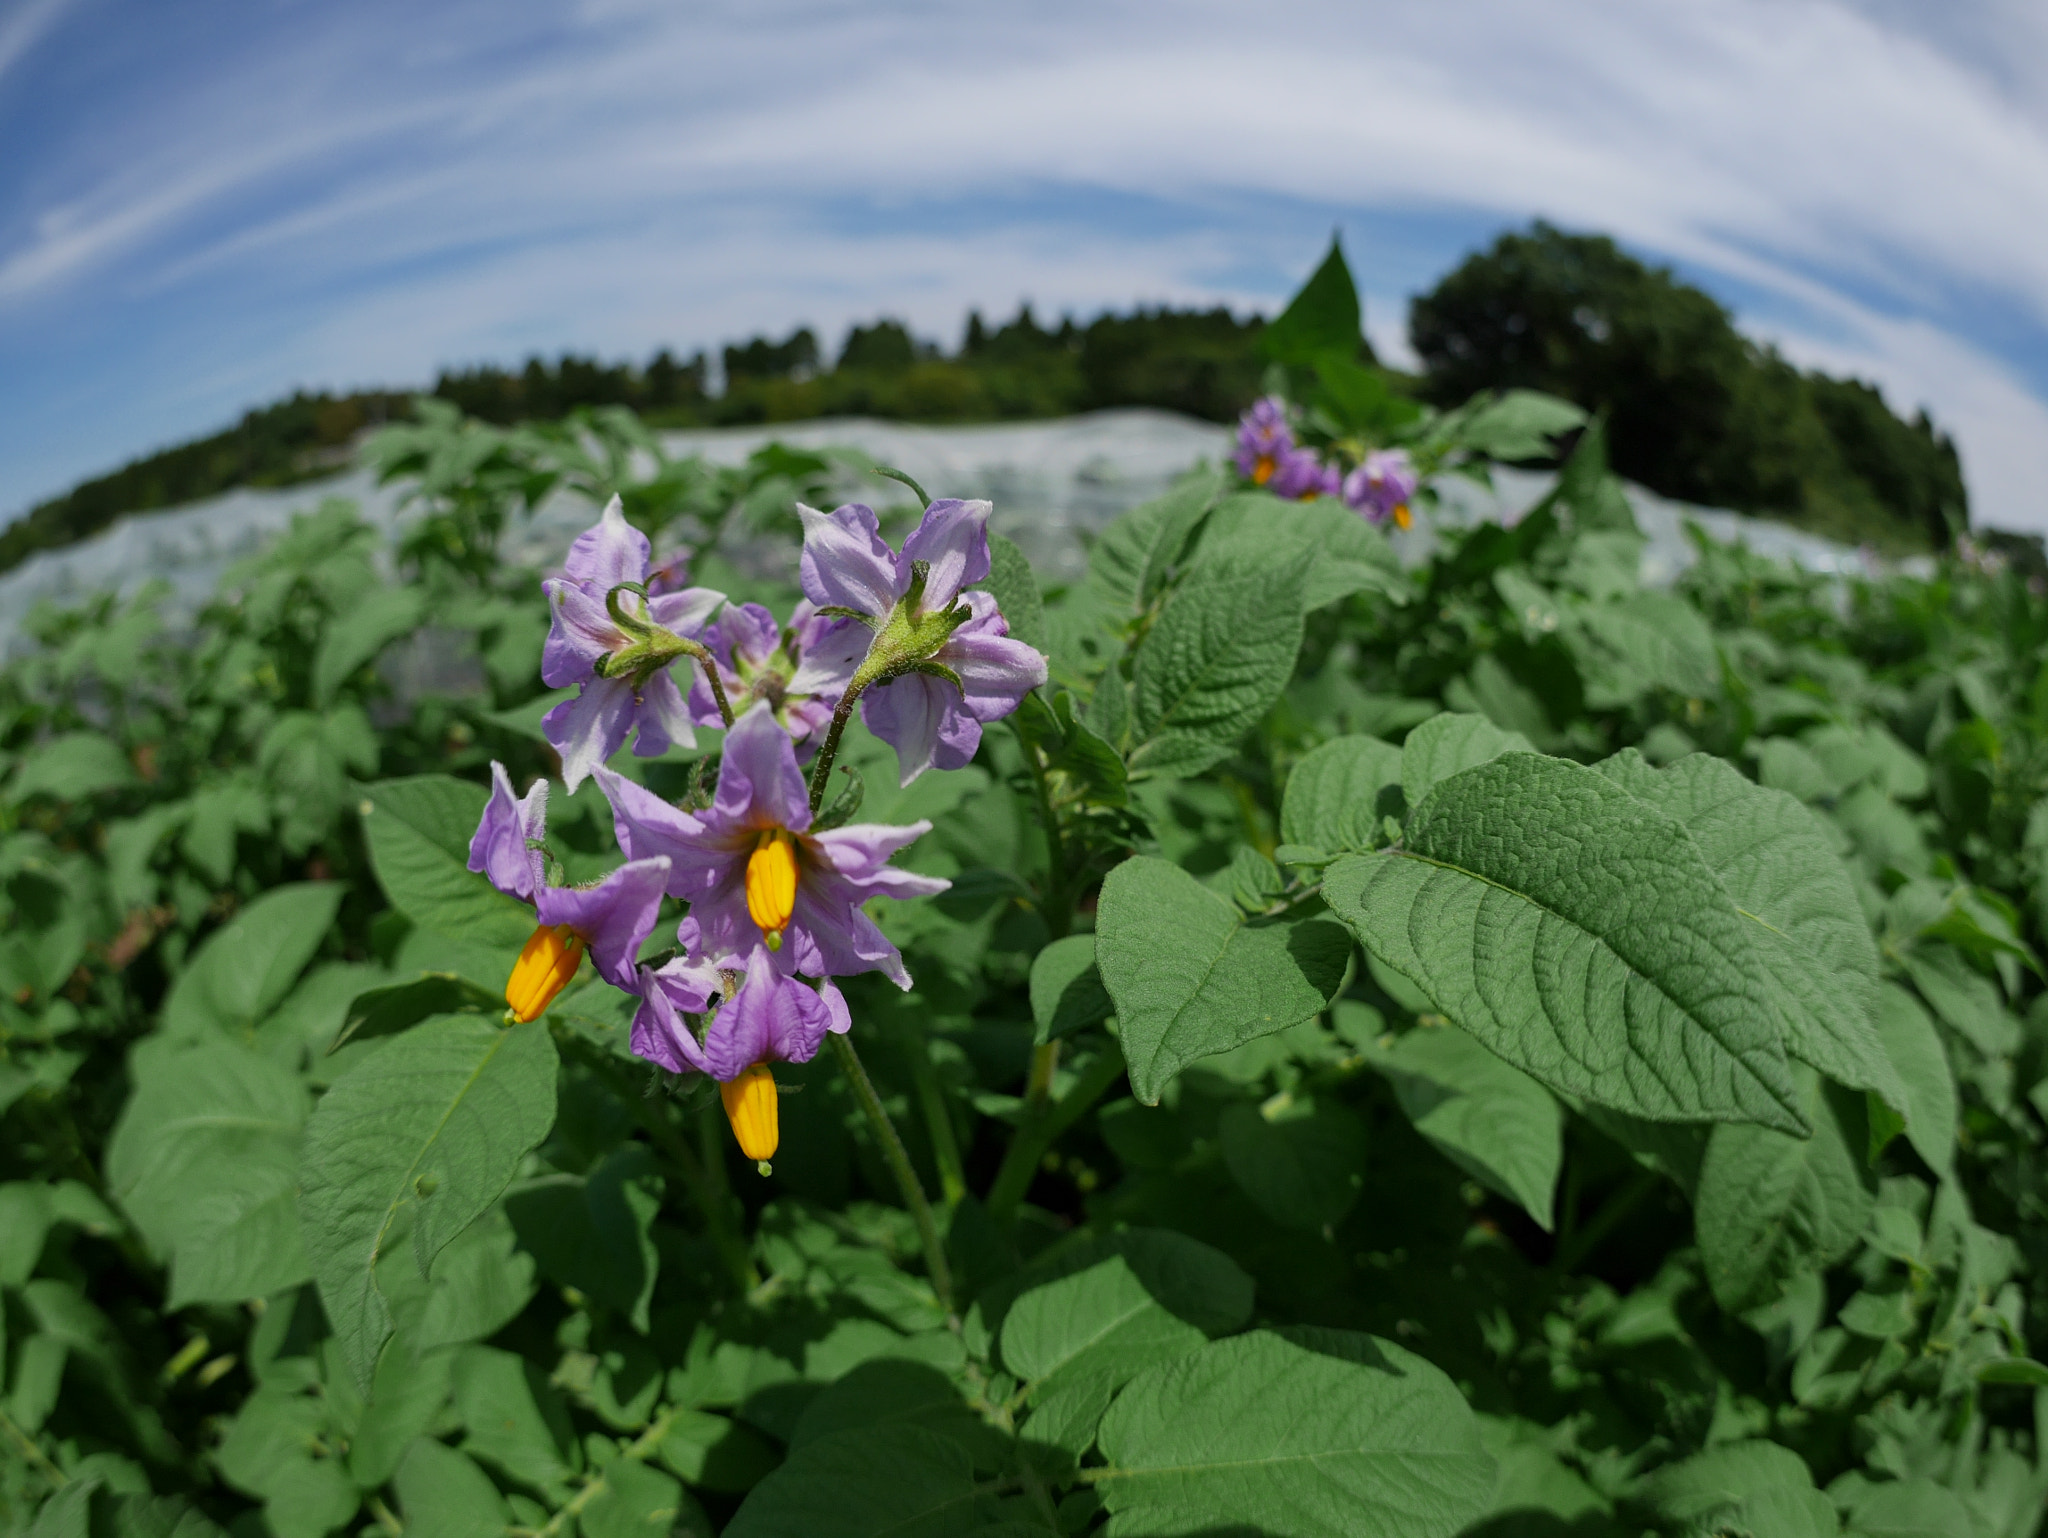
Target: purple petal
[954,538]
[686,613]
[660,1034]
[907,713]
[579,632]
[607,553]
[828,936]
[773,1017]
[845,562]
[663,717]
[995,672]
[614,917]
[590,728]
[750,633]
[648,826]
[856,852]
[759,784]
[499,849]
[839,1019]
[830,659]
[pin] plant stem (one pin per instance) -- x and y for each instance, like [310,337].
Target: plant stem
[708,665]
[821,771]
[940,1273]
[32,1451]
[1573,1248]
[1054,905]
[642,1448]
[931,1100]
[1038,1134]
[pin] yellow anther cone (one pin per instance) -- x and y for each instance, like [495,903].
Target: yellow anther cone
[546,964]
[771,884]
[750,1107]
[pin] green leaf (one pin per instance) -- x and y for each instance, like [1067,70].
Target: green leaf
[205,1160]
[1448,744]
[2021,1370]
[418,831]
[1066,989]
[247,967]
[434,1123]
[1518,424]
[636,1502]
[1015,588]
[405,1400]
[1778,867]
[72,767]
[714,1452]
[1302,1163]
[884,1482]
[1333,795]
[1770,1206]
[1910,1508]
[388,1010]
[1129,562]
[1222,650]
[1301,1434]
[1580,935]
[1344,553]
[1914,1047]
[1712,1488]
[1964,998]
[1192,977]
[1646,641]
[1324,317]
[1487,1117]
[443,1493]
[1129,1301]
[593,1232]
[516,1420]
[360,631]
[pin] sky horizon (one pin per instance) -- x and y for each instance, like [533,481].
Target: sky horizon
[209,206]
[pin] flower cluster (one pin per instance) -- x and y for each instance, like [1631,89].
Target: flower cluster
[1380,486]
[774,901]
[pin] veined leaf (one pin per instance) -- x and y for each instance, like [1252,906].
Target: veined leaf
[1447,744]
[1296,1434]
[1771,1206]
[418,831]
[1192,977]
[247,967]
[1332,799]
[1487,1117]
[205,1159]
[1222,650]
[372,621]
[1129,562]
[1015,587]
[1579,934]
[1776,864]
[436,1122]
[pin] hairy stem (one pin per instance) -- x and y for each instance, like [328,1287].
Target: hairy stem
[1039,1133]
[1574,1247]
[941,1274]
[821,771]
[708,665]
[1055,903]
[931,1101]
[642,1448]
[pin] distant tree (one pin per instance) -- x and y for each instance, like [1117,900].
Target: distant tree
[1694,409]
[794,357]
[884,347]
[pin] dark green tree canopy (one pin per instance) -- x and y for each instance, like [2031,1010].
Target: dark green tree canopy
[1694,409]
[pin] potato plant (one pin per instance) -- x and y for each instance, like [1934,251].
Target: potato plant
[852,1041]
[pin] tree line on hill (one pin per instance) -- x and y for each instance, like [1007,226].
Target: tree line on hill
[1695,410]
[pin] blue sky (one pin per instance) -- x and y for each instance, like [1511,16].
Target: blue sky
[203,205]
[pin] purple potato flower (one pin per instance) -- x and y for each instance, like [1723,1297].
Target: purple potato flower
[622,668]
[1382,486]
[758,661]
[772,1017]
[756,877]
[1302,477]
[1264,440]
[946,662]
[611,918]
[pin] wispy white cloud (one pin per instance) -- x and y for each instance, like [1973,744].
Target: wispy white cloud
[24,25]
[1870,176]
